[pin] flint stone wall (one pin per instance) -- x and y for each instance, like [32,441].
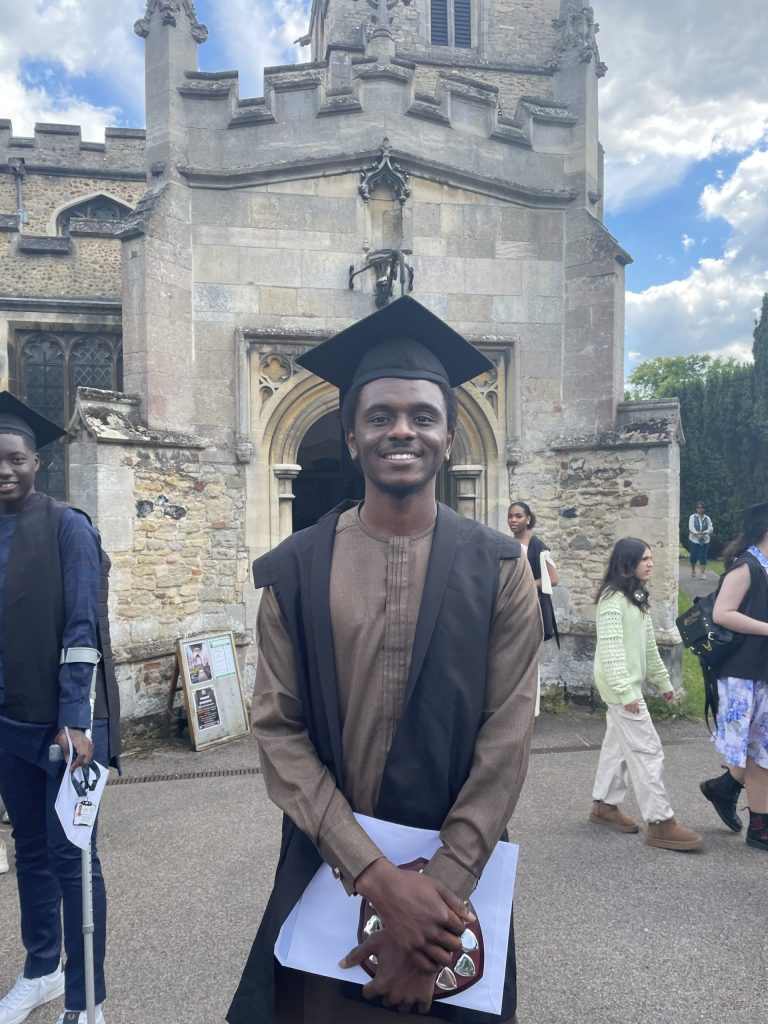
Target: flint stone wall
[169,518]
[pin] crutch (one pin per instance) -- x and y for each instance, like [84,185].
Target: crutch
[92,657]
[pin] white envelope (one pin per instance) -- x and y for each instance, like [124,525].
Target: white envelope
[322,927]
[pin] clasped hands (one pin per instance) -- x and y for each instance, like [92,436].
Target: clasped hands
[422,926]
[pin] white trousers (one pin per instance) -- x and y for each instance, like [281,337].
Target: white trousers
[632,750]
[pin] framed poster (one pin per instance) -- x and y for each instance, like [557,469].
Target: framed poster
[213,693]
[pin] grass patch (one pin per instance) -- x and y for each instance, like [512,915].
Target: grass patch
[691,703]
[713,565]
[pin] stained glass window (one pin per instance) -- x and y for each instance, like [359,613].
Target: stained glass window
[50,367]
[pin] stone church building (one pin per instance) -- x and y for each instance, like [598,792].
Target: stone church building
[156,288]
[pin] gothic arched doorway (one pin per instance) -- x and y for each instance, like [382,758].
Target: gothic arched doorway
[327,475]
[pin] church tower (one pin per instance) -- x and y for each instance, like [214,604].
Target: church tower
[443,148]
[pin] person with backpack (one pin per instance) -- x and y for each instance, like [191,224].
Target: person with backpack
[741,737]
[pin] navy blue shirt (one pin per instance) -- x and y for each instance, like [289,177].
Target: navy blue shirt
[79,551]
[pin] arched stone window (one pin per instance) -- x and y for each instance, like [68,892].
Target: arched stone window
[96,215]
[50,367]
[451,23]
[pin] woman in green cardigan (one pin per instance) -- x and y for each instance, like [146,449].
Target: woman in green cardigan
[627,655]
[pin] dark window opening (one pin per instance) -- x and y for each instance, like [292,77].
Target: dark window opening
[100,209]
[462,22]
[451,23]
[327,475]
[440,22]
[49,368]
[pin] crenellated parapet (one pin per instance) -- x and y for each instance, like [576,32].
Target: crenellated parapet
[319,114]
[60,149]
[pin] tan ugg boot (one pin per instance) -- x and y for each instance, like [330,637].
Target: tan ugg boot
[613,817]
[668,835]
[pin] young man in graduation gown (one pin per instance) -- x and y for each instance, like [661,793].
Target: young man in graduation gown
[397,674]
[53,630]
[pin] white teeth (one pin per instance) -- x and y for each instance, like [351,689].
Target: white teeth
[400,456]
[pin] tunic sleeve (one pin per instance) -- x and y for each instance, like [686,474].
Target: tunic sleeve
[485,803]
[296,780]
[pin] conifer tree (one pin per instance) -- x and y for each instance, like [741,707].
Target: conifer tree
[759,440]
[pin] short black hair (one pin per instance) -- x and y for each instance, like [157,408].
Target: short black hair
[352,397]
[29,442]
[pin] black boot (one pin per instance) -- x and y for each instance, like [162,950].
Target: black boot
[757,833]
[723,793]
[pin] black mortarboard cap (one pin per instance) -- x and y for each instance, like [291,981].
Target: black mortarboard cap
[754,514]
[404,340]
[16,415]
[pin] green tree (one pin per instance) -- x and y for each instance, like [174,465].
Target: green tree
[759,424]
[724,411]
[664,376]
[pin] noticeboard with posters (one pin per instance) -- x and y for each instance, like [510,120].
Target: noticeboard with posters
[208,674]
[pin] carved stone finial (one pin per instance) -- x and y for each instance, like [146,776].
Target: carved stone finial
[170,10]
[381,19]
[578,29]
[385,171]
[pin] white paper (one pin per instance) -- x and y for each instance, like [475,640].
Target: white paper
[67,799]
[322,927]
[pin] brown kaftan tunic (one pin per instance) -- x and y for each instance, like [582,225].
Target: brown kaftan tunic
[376,588]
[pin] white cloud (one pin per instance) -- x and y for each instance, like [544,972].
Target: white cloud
[687,242]
[75,38]
[95,37]
[258,35]
[686,81]
[713,308]
[743,199]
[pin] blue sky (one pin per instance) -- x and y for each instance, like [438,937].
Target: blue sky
[684,122]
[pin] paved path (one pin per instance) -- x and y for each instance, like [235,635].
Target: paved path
[697,587]
[609,930]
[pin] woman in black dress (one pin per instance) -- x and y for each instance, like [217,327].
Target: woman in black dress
[521,521]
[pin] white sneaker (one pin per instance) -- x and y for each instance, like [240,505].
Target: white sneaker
[3,858]
[73,1017]
[29,993]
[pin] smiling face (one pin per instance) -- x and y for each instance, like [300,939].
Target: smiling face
[517,519]
[644,567]
[18,466]
[400,437]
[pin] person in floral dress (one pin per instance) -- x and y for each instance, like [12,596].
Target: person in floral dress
[742,717]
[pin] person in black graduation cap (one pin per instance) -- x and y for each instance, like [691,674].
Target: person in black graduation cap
[397,674]
[742,713]
[53,599]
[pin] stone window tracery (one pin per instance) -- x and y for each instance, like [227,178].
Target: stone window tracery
[50,367]
[99,209]
[451,23]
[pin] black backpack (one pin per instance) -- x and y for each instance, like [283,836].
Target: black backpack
[709,642]
[701,634]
